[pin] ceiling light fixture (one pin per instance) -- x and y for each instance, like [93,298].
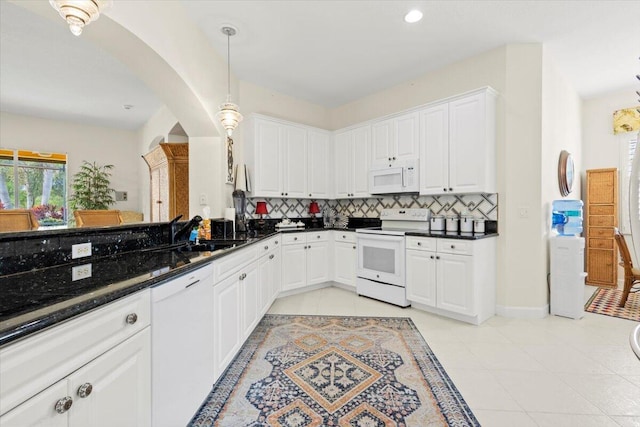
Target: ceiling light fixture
[413,16]
[79,13]
[229,115]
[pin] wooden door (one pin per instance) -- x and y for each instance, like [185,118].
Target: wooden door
[601,216]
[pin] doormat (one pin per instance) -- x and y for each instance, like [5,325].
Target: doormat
[605,301]
[296,371]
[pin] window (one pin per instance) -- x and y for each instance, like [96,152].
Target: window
[36,181]
[628,144]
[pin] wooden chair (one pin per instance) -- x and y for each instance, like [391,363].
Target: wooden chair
[91,218]
[17,220]
[631,274]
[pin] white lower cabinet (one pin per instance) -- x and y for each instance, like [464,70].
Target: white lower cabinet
[247,283]
[305,259]
[105,389]
[345,257]
[452,277]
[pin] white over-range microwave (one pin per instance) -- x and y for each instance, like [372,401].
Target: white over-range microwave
[398,178]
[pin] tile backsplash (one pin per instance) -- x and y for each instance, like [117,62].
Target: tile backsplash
[482,205]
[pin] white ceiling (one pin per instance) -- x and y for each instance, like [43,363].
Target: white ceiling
[326,52]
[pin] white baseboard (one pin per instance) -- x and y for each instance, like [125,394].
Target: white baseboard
[523,312]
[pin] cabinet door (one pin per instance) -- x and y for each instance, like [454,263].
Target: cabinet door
[382,143]
[295,162]
[361,161]
[318,166]
[342,155]
[421,277]
[120,383]
[407,128]
[434,150]
[345,260]
[40,409]
[275,272]
[455,284]
[227,327]
[268,160]
[467,144]
[251,299]
[294,263]
[317,263]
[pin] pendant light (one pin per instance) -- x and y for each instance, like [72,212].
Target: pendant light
[229,115]
[79,13]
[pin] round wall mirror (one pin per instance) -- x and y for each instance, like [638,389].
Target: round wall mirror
[565,173]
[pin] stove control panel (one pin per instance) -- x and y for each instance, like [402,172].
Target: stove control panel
[404,215]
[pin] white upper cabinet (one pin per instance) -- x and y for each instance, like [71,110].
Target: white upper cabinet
[351,148]
[319,167]
[395,139]
[288,160]
[457,145]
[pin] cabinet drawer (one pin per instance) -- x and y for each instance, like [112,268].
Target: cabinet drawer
[601,243]
[344,236]
[266,246]
[227,265]
[421,243]
[293,238]
[601,210]
[454,246]
[601,232]
[317,236]
[33,364]
[601,221]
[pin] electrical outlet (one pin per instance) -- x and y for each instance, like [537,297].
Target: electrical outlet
[80,250]
[523,212]
[80,272]
[122,196]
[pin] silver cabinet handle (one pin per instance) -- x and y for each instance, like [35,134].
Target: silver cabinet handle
[85,390]
[419,243]
[453,247]
[432,257]
[271,256]
[131,318]
[354,247]
[64,404]
[309,194]
[344,237]
[393,158]
[276,242]
[295,238]
[450,189]
[318,236]
[444,189]
[437,257]
[266,248]
[243,276]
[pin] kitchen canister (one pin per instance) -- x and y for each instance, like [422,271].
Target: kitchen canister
[466,223]
[437,223]
[452,223]
[478,225]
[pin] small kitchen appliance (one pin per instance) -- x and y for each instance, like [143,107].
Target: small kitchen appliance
[381,254]
[479,225]
[221,228]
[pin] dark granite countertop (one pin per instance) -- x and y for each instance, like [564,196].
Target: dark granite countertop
[36,299]
[449,235]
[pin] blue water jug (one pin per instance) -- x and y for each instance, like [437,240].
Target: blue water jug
[566,217]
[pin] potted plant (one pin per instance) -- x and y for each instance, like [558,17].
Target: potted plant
[91,187]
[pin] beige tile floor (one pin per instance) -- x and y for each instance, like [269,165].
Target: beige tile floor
[516,373]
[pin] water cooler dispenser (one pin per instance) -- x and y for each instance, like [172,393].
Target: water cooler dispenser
[567,259]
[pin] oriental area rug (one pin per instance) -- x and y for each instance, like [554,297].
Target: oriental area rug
[605,301]
[314,371]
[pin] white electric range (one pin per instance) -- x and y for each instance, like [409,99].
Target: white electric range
[381,271]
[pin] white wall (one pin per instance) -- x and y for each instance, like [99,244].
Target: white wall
[80,142]
[561,130]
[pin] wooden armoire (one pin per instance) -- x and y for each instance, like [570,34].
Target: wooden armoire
[601,214]
[169,171]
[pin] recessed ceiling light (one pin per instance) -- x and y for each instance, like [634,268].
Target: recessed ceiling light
[127,106]
[413,16]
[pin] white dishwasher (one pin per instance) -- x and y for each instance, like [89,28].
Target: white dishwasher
[182,367]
